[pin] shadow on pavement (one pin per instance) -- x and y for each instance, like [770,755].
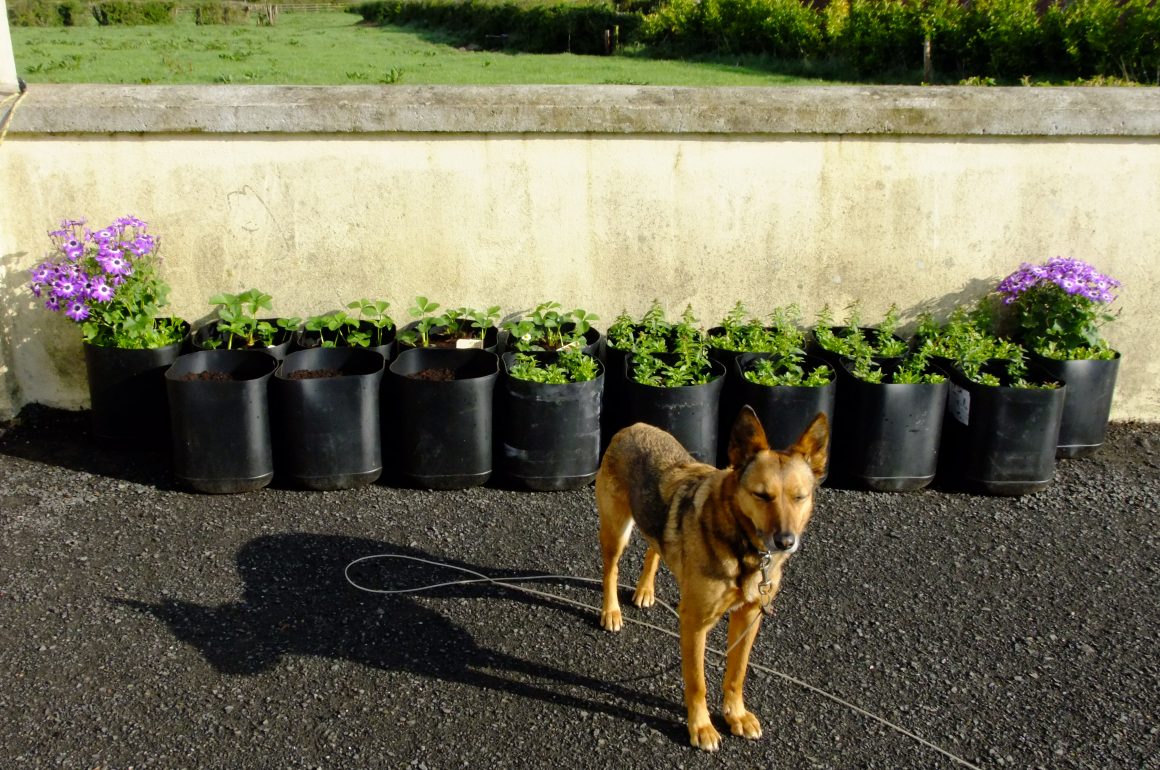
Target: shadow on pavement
[296,601]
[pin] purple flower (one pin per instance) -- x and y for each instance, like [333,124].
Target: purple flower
[114,264]
[77,310]
[101,291]
[53,304]
[65,287]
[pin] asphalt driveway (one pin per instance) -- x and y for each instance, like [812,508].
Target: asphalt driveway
[143,626]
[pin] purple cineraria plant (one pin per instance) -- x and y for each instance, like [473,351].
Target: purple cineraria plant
[107,281]
[1059,307]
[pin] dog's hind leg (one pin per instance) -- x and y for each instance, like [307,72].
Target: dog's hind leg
[615,530]
[645,594]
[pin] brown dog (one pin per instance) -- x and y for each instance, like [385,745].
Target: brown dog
[724,534]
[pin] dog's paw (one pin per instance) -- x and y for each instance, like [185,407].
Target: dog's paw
[746,724]
[644,597]
[610,620]
[704,736]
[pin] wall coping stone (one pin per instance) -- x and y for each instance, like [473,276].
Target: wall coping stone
[615,110]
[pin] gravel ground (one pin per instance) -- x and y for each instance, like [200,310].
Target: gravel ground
[142,626]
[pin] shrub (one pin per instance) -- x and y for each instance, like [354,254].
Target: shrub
[535,28]
[129,13]
[220,13]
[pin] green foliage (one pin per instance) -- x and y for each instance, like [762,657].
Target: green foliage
[239,325]
[783,29]
[48,13]
[132,13]
[373,312]
[546,328]
[743,333]
[219,13]
[788,370]
[569,366]
[530,27]
[852,341]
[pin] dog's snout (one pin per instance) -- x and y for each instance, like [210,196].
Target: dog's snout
[785,541]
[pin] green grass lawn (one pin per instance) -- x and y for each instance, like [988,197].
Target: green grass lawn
[333,48]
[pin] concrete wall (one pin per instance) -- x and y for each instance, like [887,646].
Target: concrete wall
[599,197]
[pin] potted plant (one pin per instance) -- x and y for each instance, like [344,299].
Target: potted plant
[1058,310]
[677,389]
[220,415]
[462,327]
[854,340]
[327,419]
[108,281]
[371,328]
[440,412]
[894,417]
[1011,410]
[740,333]
[239,327]
[549,417]
[625,336]
[787,391]
[546,328]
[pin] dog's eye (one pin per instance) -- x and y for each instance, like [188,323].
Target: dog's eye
[763,496]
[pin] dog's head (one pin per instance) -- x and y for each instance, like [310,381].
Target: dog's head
[775,489]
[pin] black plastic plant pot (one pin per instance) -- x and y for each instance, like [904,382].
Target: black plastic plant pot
[786,411]
[688,412]
[891,431]
[438,339]
[326,417]
[312,340]
[614,414]
[1090,386]
[1010,434]
[441,416]
[204,336]
[220,419]
[730,403]
[549,435]
[127,391]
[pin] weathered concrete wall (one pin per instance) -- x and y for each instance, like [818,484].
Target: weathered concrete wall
[598,197]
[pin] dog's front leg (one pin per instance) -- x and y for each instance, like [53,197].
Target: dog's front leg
[694,628]
[743,624]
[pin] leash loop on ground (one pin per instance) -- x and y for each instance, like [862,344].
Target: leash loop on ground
[509,583]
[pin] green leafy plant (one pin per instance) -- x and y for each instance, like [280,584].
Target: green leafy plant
[373,312]
[547,328]
[424,311]
[239,325]
[913,369]
[788,370]
[851,339]
[571,365]
[742,332]
[109,282]
[332,328]
[1059,308]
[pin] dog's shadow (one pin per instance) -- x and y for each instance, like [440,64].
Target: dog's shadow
[297,601]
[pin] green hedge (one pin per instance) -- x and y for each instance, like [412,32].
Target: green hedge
[533,27]
[48,13]
[1002,39]
[131,13]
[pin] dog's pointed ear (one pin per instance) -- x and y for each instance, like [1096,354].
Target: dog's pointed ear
[747,437]
[814,444]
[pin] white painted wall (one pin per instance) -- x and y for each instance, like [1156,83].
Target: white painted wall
[606,221]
